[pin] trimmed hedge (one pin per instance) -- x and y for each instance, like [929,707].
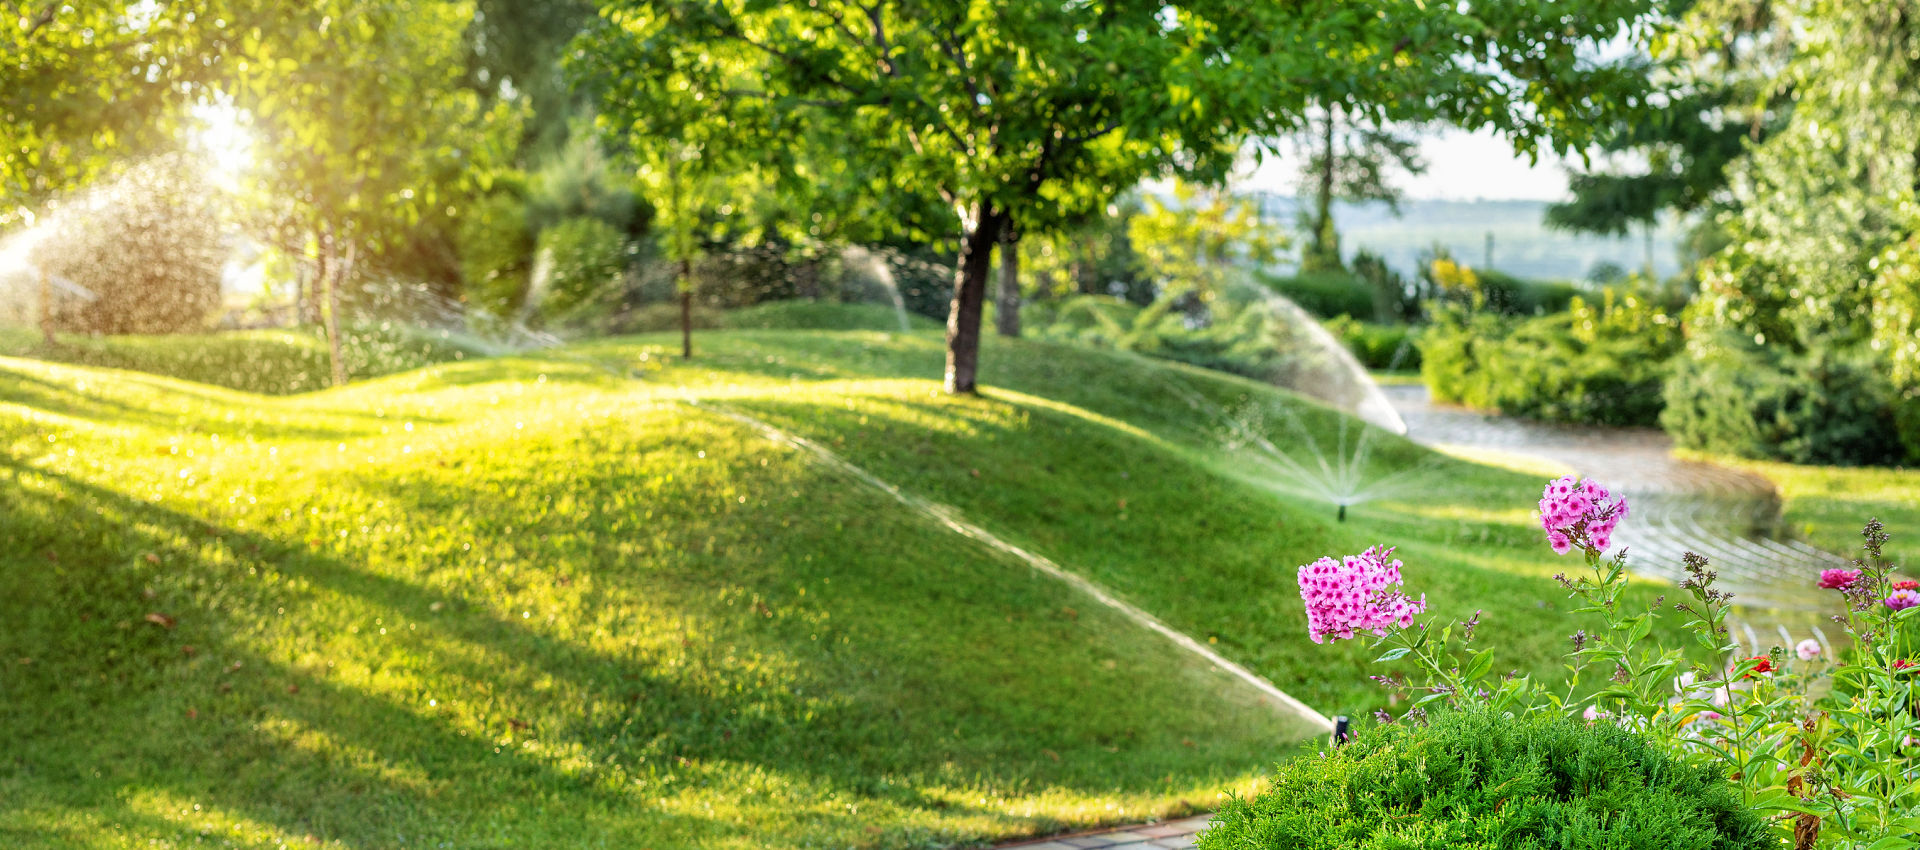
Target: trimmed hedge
[1478,781]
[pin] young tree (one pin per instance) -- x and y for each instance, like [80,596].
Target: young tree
[363,117]
[1353,162]
[1000,108]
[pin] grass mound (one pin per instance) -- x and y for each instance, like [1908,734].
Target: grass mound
[269,362]
[543,601]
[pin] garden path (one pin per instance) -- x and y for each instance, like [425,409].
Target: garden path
[1169,835]
[1679,505]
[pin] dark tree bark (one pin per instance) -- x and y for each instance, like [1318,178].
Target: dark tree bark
[1006,303]
[969,294]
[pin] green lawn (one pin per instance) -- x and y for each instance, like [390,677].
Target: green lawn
[544,601]
[1828,504]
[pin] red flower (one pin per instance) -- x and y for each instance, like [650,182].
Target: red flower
[1762,664]
[1900,664]
[1906,584]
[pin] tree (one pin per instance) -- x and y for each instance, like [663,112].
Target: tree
[1721,93]
[999,109]
[366,126]
[86,84]
[1349,164]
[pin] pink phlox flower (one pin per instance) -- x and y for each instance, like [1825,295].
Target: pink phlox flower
[1579,513]
[1838,579]
[1358,593]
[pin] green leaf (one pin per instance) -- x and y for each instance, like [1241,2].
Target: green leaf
[1394,654]
[1481,662]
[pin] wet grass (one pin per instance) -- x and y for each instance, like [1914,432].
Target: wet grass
[542,601]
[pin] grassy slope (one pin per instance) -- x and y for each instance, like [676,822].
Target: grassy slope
[564,608]
[274,362]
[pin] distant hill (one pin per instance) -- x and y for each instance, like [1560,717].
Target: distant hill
[1522,244]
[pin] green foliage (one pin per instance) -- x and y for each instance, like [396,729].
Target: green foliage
[1474,779]
[496,253]
[1512,296]
[85,84]
[1328,294]
[1201,243]
[583,260]
[149,246]
[1377,346]
[1016,117]
[1242,341]
[1816,244]
[1602,366]
[1826,406]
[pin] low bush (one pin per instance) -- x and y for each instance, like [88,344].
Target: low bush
[1515,296]
[1378,346]
[579,265]
[1243,340]
[1825,406]
[1327,294]
[1601,365]
[1481,780]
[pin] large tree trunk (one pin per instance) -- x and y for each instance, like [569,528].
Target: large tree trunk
[1006,303]
[969,293]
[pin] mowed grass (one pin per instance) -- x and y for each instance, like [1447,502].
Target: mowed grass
[545,601]
[1827,505]
[271,362]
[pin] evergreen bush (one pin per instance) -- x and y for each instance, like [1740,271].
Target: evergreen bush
[1826,406]
[1476,779]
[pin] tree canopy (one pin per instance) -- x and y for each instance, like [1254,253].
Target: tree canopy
[1005,112]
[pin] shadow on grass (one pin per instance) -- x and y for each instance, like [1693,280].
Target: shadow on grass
[256,721]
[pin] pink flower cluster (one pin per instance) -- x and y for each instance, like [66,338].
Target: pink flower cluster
[1358,593]
[1580,513]
[1838,579]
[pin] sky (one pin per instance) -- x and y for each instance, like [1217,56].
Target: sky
[1461,166]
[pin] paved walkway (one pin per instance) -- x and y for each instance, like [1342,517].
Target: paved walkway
[1169,835]
[1679,506]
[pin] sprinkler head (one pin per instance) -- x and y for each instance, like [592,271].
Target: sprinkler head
[1343,512]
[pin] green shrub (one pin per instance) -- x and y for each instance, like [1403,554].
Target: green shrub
[1327,294]
[582,261]
[1823,407]
[496,253]
[1377,346]
[1601,365]
[1478,780]
[1514,296]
